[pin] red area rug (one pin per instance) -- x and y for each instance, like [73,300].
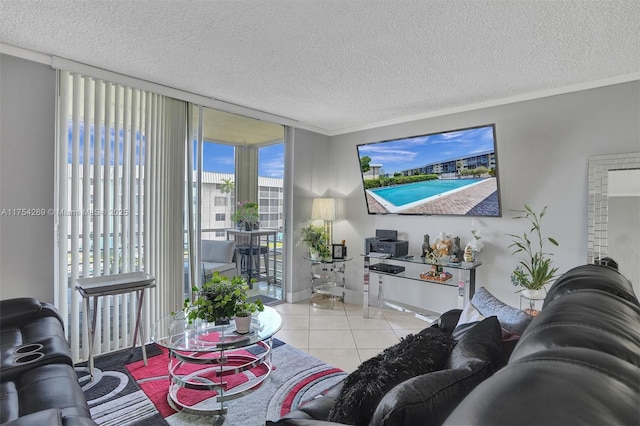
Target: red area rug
[126,392]
[153,379]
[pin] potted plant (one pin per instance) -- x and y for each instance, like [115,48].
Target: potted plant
[246,215]
[220,299]
[316,240]
[534,270]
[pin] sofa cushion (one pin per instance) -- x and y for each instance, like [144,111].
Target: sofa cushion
[31,330]
[512,319]
[218,251]
[563,386]
[430,398]
[587,318]
[22,310]
[595,277]
[363,389]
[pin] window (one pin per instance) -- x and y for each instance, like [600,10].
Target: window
[242,159]
[120,188]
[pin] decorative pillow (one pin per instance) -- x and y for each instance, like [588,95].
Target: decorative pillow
[482,343]
[430,398]
[468,318]
[511,319]
[363,389]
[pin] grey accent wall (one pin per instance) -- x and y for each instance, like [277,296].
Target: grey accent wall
[27,139]
[543,149]
[311,173]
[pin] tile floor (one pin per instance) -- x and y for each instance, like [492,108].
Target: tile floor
[341,336]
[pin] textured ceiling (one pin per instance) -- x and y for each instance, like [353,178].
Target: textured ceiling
[337,66]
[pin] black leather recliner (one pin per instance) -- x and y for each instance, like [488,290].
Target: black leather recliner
[38,385]
[578,362]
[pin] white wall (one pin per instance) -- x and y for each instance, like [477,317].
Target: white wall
[543,148]
[27,137]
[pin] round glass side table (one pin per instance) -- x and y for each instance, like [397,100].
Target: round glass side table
[327,282]
[204,356]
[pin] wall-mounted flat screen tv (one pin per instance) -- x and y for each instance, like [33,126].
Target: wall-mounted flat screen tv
[453,173]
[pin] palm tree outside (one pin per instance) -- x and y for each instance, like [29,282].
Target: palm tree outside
[227,187]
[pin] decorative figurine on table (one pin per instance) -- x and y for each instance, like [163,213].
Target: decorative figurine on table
[468,254]
[442,245]
[474,246]
[456,252]
[426,247]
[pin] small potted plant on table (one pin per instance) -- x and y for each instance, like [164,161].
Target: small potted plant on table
[316,240]
[534,270]
[247,216]
[220,299]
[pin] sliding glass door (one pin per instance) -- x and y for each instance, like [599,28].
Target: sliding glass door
[238,160]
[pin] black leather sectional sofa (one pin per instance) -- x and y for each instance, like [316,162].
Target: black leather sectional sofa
[576,363]
[38,383]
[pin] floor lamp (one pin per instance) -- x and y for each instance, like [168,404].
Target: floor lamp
[325,209]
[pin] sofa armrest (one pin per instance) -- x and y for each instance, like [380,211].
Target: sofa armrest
[302,422]
[448,320]
[50,417]
[15,310]
[314,411]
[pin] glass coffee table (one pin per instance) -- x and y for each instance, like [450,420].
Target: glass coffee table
[207,362]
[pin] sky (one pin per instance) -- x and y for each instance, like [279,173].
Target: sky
[216,157]
[409,153]
[220,158]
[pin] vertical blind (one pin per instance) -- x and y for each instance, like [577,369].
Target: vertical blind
[120,179]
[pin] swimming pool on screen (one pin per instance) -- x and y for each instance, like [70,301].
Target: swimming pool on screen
[400,197]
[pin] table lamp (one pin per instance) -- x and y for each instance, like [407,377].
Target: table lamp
[325,209]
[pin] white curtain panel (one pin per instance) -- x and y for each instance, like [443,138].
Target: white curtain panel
[120,179]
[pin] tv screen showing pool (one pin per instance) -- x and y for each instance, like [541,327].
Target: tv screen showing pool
[454,172]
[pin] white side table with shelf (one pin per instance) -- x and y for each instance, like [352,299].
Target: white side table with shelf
[327,282]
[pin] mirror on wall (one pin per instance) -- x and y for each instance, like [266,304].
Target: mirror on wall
[614,212]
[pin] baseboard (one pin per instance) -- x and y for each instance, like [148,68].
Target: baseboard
[299,296]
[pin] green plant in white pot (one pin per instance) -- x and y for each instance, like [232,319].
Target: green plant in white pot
[221,298]
[535,269]
[316,240]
